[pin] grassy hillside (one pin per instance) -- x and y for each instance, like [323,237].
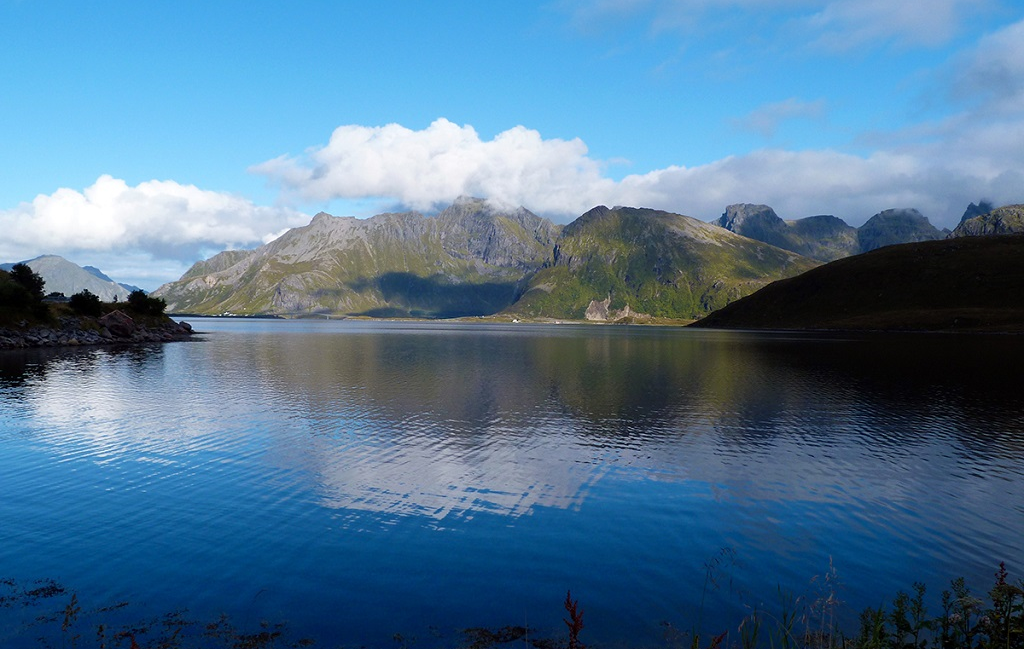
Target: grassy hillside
[964,284]
[471,259]
[656,263]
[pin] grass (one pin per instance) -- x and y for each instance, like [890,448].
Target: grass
[45,614]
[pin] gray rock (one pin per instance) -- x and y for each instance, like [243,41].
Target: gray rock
[119,324]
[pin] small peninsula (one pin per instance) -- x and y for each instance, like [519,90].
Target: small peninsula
[30,318]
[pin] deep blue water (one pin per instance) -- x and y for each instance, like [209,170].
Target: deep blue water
[358,480]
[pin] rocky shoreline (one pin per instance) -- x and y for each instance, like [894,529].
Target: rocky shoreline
[114,328]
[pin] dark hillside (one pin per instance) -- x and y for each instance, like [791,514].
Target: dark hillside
[965,284]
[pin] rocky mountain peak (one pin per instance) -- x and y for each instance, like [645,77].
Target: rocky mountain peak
[758,222]
[741,214]
[893,226]
[1008,219]
[983,207]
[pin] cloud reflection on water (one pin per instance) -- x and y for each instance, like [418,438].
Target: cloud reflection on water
[468,420]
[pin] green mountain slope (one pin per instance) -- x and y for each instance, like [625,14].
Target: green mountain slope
[969,283]
[471,259]
[656,263]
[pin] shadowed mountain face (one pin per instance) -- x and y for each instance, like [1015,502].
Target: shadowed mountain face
[656,263]
[1004,220]
[892,227]
[824,237]
[471,259]
[983,207]
[961,284]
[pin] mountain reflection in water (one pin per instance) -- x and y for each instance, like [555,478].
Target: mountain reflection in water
[347,465]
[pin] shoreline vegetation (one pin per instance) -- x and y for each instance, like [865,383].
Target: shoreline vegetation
[30,318]
[44,613]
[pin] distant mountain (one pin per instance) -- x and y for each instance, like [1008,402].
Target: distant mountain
[1004,220]
[825,237]
[471,259]
[476,259]
[63,276]
[961,284]
[891,227]
[983,207]
[616,263]
[822,237]
[100,274]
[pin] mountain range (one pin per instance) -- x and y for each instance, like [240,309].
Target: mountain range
[826,237]
[470,259]
[477,259]
[63,276]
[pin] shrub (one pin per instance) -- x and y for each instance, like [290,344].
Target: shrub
[17,301]
[86,303]
[29,279]
[143,304]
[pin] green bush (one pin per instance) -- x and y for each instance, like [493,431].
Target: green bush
[29,279]
[143,304]
[86,303]
[19,301]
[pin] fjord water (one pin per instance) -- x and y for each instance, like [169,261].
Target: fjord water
[359,480]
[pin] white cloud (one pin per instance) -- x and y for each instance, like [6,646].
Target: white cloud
[993,73]
[832,24]
[433,166]
[154,230]
[766,119]
[804,183]
[157,220]
[936,167]
[844,24]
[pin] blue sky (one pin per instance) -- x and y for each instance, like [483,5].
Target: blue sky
[140,137]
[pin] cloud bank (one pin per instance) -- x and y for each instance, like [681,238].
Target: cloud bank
[937,167]
[431,167]
[116,224]
[424,169]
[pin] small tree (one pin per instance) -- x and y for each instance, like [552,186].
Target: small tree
[141,303]
[29,279]
[86,303]
[17,300]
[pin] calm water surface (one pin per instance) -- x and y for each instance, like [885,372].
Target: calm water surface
[358,480]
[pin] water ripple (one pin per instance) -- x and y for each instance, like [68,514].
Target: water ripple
[338,467]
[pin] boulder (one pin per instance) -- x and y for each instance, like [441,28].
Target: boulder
[119,324]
